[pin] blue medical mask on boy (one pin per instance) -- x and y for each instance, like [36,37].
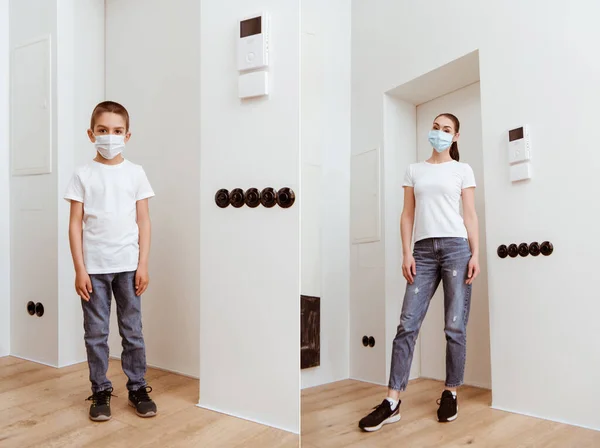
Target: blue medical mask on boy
[440,140]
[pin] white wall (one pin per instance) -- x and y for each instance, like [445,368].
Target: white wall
[466,105]
[249,276]
[534,302]
[80,85]
[153,69]
[399,145]
[34,224]
[4,183]
[41,266]
[325,215]
[70,349]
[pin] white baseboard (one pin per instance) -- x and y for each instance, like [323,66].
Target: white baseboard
[163,369]
[34,361]
[209,408]
[470,384]
[72,363]
[336,380]
[367,381]
[479,385]
[467,384]
[564,422]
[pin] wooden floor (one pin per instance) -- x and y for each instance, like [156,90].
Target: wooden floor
[45,407]
[330,416]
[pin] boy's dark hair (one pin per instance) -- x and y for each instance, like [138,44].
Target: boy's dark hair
[112,107]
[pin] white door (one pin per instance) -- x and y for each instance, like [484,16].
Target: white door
[466,105]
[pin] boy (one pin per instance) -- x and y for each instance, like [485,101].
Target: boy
[110,253]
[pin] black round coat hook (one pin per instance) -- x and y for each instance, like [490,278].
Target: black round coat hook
[31,308]
[268,197]
[222,198]
[547,248]
[236,197]
[286,197]
[534,249]
[503,251]
[523,249]
[252,197]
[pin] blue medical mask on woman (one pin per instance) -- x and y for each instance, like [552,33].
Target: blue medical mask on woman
[440,140]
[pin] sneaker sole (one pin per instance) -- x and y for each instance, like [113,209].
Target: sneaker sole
[394,419]
[146,415]
[101,418]
[449,419]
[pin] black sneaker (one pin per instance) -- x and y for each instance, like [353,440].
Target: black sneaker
[100,408]
[448,410]
[382,415]
[141,401]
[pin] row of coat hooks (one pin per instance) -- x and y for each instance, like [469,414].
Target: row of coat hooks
[268,197]
[534,249]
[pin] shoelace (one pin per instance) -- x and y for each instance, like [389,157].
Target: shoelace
[381,408]
[446,400]
[142,393]
[101,398]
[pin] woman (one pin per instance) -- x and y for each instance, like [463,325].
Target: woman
[446,249]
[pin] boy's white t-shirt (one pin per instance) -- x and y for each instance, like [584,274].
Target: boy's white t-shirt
[438,190]
[109,194]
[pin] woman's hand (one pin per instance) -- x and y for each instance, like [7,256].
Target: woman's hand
[141,280]
[409,268]
[83,285]
[473,271]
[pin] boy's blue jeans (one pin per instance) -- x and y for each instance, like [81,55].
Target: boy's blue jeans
[96,319]
[438,260]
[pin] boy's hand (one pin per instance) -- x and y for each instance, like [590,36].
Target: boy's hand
[141,280]
[474,270]
[83,285]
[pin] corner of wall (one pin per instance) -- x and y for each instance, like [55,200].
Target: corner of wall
[399,133]
[4,180]
[325,166]
[80,85]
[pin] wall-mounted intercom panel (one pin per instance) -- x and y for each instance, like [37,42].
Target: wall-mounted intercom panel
[519,145]
[519,154]
[253,42]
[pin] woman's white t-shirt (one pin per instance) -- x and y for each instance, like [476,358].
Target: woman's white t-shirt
[438,190]
[109,194]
